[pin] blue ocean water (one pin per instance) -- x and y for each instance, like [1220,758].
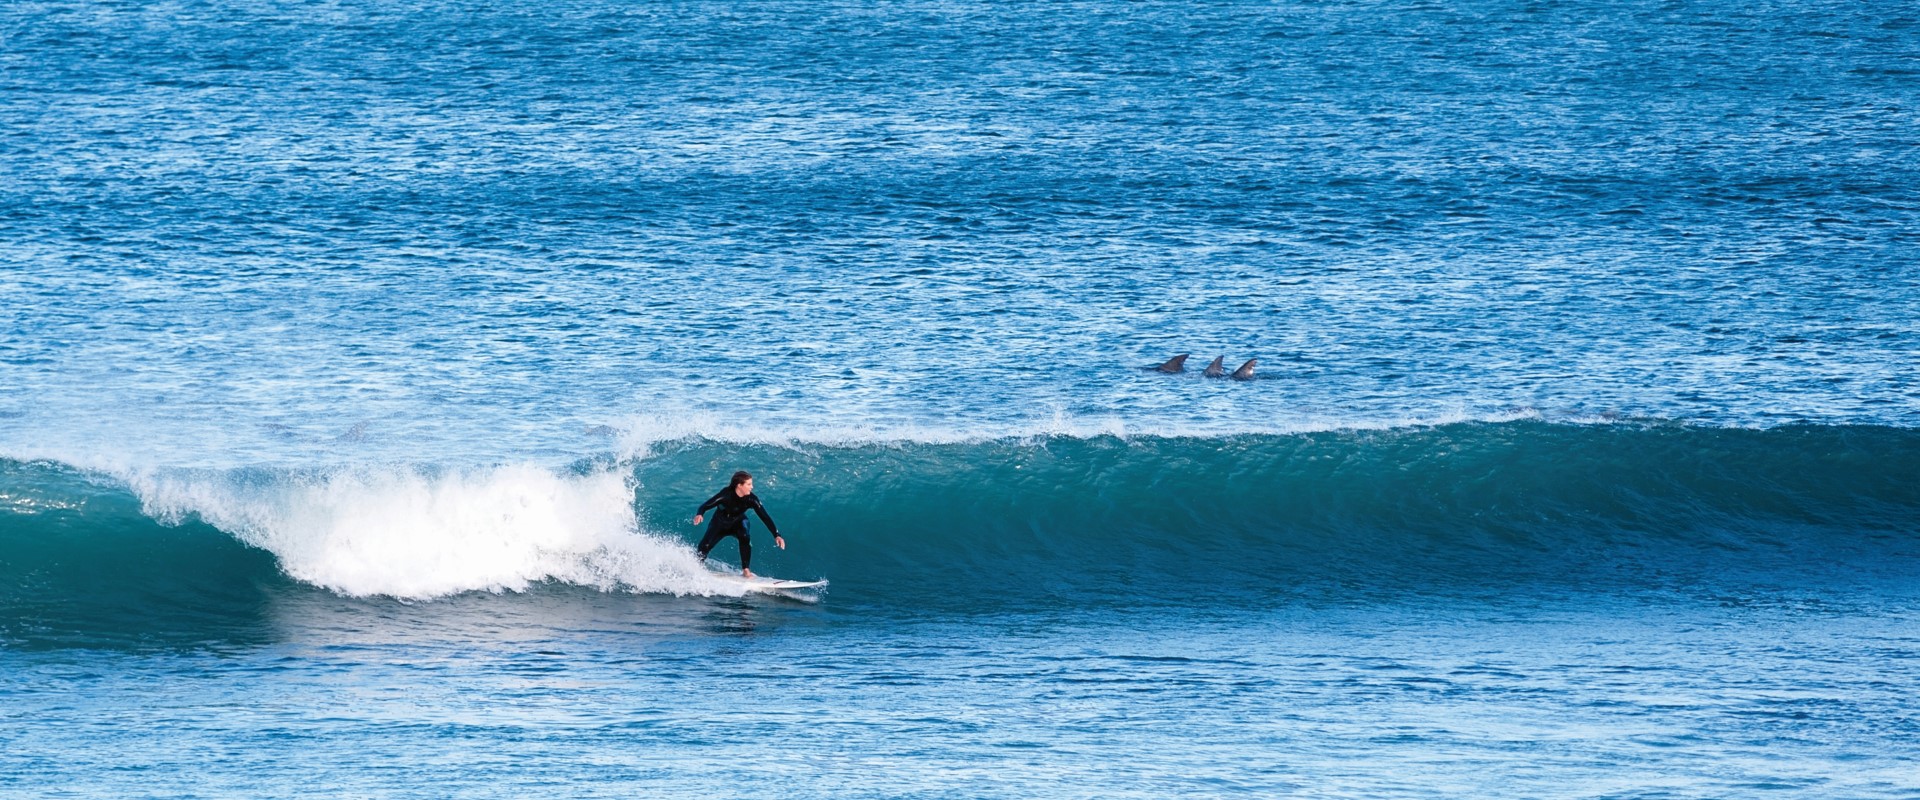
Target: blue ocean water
[361,364]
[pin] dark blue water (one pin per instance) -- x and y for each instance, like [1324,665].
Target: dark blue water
[362,362]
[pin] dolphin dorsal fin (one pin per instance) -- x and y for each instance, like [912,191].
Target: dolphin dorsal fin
[1213,369]
[1245,372]
[1175,364]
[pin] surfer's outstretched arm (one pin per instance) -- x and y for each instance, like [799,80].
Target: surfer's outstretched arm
[771,528]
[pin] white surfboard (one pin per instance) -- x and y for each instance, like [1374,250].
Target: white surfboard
[761,584]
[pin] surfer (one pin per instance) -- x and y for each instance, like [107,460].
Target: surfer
[730,519]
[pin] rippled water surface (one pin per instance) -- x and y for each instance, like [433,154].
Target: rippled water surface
[678,699]
[361,363]
[480,231]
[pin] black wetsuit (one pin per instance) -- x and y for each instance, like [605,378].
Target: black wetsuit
[730,519]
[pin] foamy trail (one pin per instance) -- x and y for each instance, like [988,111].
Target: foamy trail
[417,534]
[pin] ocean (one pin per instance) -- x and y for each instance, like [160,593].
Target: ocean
[363,362]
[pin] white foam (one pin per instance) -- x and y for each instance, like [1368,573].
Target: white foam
[416,534]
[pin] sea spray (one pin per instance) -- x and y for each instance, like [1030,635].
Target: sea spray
[419,533]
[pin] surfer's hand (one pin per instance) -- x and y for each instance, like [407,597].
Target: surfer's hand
[698,517]
[779,542]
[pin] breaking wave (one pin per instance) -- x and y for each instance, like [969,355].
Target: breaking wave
[1043,515]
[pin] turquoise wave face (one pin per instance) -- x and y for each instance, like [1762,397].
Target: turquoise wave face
[1458,505]
[81,565]
[1008,523]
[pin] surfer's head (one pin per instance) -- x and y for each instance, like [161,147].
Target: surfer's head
[742,484]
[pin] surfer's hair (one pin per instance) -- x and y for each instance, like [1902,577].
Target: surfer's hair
[739,478]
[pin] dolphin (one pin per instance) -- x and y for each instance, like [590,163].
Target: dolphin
[1245,372]
[1174,365]
[1213,369]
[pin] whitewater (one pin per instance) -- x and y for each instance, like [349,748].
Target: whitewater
[362,365]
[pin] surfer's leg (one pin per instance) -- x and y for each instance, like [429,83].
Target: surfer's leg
[746,551]
[707,542]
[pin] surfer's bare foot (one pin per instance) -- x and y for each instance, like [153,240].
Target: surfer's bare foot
[747,573]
